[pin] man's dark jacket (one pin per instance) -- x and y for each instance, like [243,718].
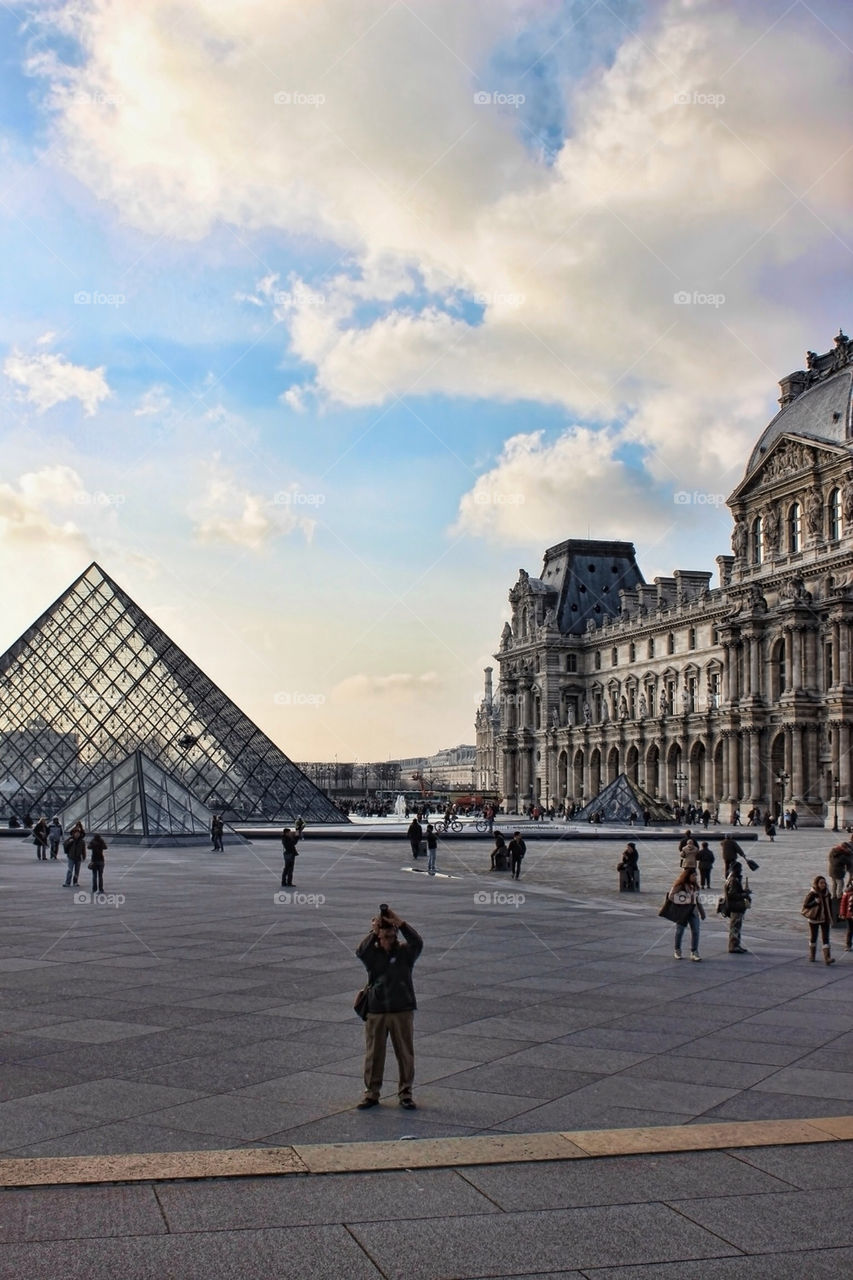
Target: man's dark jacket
[390,972]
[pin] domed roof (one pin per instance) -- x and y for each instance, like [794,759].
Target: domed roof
[816,403]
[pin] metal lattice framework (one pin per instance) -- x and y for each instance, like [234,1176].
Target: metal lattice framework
[94,679]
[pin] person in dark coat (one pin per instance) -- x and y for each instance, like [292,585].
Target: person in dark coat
[97,848]
[289,841]
[391,1005]
[685,892]
[416,835]
[817,909]
[730,850]
[54,835]
[704,861]
[75,852]
[516,849]
[499,854]
[738,901]
[40,839]
[769,827]
[629,869]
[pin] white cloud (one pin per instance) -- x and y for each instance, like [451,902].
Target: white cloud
[661,188]
[228,513]
[153,403]
[398,687]
[47,380]
[26,519]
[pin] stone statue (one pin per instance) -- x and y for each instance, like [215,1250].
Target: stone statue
[550,619]
[587,713]
[642,706]
[605,714]
[506,636]
[555,719]
[847,500]
[739,538]
[814,512]
[770,527]
[811,359]
[623,708]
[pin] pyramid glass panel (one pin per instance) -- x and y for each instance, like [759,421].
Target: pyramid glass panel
[95,679]
[138,799]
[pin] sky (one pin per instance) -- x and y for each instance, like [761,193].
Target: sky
[319,321]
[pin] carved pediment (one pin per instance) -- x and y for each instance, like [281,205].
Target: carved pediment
[790,457]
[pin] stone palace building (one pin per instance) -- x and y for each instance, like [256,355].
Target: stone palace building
[730,696]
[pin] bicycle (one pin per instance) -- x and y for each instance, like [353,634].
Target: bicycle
[453,825]
[482,825]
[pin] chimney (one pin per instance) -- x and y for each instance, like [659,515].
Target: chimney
[488,690]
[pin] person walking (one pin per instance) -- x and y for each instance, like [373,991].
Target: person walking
[517,849]
[738,900]
[415,834]
[391,1005]
[289,841]
[685,892]
[75,853]
[217,828]
[499,854]
[54,835]
[730,851]
[689,850]
[845,912]
[40,839]
[817,909]
[432,848]
[769,828]
[705,861]
[97,848]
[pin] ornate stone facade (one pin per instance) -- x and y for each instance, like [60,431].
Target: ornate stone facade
[732,696]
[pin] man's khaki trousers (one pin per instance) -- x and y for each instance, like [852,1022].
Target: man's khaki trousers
[400,1027]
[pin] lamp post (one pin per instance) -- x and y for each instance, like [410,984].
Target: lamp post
[836,786]
[782,778]
[680,782]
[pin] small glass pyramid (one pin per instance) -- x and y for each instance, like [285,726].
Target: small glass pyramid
[138,799]
[94,680]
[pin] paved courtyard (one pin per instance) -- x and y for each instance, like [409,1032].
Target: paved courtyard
[192,1011]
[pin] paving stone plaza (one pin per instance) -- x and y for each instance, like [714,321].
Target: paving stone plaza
[194,1011]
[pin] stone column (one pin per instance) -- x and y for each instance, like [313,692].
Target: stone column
[796,771]
[754,765]
[510,785]
[708,779]
[796,658]
[841,760]
[755,666]
[844,656]
[725,682]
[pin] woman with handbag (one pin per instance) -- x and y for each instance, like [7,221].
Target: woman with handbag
[817,909]
[684,897]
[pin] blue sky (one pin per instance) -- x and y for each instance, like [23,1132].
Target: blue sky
[313,348]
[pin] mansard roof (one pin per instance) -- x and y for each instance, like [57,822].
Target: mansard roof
[586,577]
[817,403]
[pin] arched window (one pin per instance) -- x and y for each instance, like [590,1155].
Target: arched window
[834,511]
[651,646]
[670,643]
[794,528]
[758,540]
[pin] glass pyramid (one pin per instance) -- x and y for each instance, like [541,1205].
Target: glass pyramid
[138,798]
[94,679]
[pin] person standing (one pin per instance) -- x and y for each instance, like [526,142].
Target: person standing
[97,848]
[705,861]
[75,853]
[498,855]
[416,835]
[432,848]
[685,892]
[845,912]
[839,864]
[769,828]
[40,839]
[730,851]
[391,1005]
[289,841]
[299,826]
[629,869]
[517,849]
[817,909]
[217,828]
[738,901]
[689,850]
[54,835]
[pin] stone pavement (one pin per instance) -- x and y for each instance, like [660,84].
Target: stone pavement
[193,1012]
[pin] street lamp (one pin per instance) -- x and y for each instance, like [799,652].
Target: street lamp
[680,781]
[782,778]
[836,788]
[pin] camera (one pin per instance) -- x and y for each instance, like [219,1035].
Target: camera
[383,910]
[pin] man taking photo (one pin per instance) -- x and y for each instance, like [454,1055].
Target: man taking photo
[391,1004]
